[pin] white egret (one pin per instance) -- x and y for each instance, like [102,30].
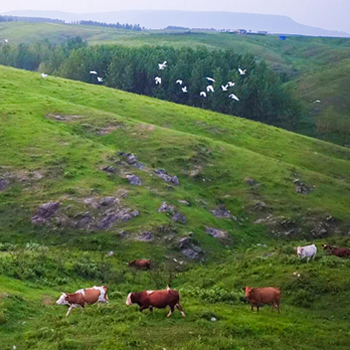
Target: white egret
[158,80]
[230,84]
[202,93]
[210,79]
[224,88]
[234,97]
[241,71]
[93,72]
[100,80]
[184,89]
[162,65]
[210,88]
[179,81]
[6,40]
[43,75]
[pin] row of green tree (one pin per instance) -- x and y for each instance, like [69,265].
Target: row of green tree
[117,25]
[262,94]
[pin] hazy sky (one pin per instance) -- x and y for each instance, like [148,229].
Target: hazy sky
[328,14]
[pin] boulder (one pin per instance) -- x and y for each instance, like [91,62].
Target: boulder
[251,182]
[178,217]
[84,220]
[134,180]
[44,212]
[113,215]
[216,233]
[107,201]
[146,236]
[165,208]
[189,249]
[109,169]
[161,173]
[301,187]
[221,212]
[132,160]
[3,184]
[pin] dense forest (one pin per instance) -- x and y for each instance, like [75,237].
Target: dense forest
[262,95]
[117,25]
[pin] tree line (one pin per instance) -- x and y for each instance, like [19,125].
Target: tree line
[263,97]
[117,25]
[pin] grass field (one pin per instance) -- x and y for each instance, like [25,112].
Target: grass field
[55,137]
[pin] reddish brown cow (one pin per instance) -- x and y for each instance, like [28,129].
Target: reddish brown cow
[259,296]
[84,296]
[142,264]
[159,299]
[340,252]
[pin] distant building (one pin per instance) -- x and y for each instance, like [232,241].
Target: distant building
[262,32]
[240,31]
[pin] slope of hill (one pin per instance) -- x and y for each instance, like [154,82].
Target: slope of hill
[246,191]
[199,19]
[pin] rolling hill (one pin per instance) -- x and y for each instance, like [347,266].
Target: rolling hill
[85,170]
[152,19]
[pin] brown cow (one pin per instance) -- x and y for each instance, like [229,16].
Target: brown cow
[142,264]
[159,299]
[260,296]
[84,296]
[340,252]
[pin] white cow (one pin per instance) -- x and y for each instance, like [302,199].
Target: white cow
[308,251]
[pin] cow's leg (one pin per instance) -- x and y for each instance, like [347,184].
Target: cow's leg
[279,307]
[179,307]
[257,308]
[170,312]
[143,307]
[69,309]
[251,307]
[273,306]
[151,308]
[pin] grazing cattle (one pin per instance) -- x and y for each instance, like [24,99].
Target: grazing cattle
[340,252]
[259,296]
[308,251]
[142,264]
[84,296]
[159,299]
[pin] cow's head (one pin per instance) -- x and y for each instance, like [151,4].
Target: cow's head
[326,246]
[129,299]
[63,299]
[247,290]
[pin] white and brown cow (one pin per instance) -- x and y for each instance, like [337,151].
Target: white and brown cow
[159,299]
[84,296]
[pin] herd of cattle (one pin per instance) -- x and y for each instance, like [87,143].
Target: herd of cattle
[161,299]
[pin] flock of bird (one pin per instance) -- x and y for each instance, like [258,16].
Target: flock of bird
[184,88]
[209,88]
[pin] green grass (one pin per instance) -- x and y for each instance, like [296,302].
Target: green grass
[39,262]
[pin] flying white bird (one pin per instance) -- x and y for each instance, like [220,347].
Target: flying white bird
[100,80]
[241,71]
[202,93]
[210,88]
[179,81]
[162,65]
[234,97]
[93,72]
[6,40]
[317,101]
[158,80]
[184,89]
[224,88]
[230,84]
[210,79]
[43,75]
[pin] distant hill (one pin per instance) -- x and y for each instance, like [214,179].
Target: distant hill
[217,20]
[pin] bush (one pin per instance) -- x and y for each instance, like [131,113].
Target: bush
[214,295]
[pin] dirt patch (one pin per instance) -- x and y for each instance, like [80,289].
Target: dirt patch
[48,300]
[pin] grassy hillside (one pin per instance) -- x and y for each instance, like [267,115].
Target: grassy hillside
[57,136]
[317,66]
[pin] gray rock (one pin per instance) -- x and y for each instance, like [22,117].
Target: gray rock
[132,160]
[178,217]
[84,220]
[44,212]
[217,233]
[3,184]
[109,169]
[259,205]
[107,201]
[146,236]
[134,180]
[60,118]
[189,249]
[165,208]
[221,212]
[251,182]
[114,215]
[184,202]
[161,173]
[301,187]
